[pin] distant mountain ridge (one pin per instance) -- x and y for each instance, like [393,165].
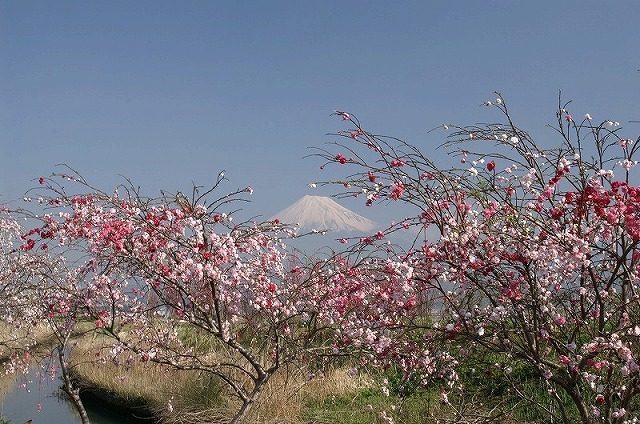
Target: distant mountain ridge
[323,213]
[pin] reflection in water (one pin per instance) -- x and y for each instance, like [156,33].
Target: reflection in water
[42,403]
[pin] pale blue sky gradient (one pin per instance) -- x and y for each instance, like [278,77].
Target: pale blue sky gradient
[172,92]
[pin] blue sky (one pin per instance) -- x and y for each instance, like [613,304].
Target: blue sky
[167,93]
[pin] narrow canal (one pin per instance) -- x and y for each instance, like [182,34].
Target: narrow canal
[45,404]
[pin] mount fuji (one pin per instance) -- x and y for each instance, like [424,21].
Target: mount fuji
[324,214]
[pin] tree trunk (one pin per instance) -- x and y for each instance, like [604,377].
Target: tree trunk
[578,401]
[69,388]
[250,400]
[74,394]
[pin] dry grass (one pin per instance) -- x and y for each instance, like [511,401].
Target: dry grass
[7,383]
[38,340]
[12,339]
[197,398]
[132,381]
[287,392]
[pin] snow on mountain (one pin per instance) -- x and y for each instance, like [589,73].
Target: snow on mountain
[323,213]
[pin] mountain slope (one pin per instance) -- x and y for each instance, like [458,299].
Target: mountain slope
[323,213]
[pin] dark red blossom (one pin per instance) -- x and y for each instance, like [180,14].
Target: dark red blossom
[29,245]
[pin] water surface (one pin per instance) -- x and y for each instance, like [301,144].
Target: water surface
[44,403]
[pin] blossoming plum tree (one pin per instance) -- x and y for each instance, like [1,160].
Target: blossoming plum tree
[163,277]
[535,264]
[536,261]
[39,307]
[10,271]
[175,281]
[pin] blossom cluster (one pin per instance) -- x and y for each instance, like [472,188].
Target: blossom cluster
[536,254]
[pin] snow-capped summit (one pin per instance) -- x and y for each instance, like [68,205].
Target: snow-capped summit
[323,213]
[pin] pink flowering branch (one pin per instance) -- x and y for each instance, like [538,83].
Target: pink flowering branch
[536,257]
[154,274]
[39,295]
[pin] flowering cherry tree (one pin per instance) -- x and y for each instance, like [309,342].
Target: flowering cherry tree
[536,260]
[165,277]
[10,270]
[39,307]
[175,281]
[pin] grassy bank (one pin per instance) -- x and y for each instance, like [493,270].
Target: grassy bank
[145,388]
[186,397]
[293,397]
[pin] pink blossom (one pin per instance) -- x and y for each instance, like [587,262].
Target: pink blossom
[341,158]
